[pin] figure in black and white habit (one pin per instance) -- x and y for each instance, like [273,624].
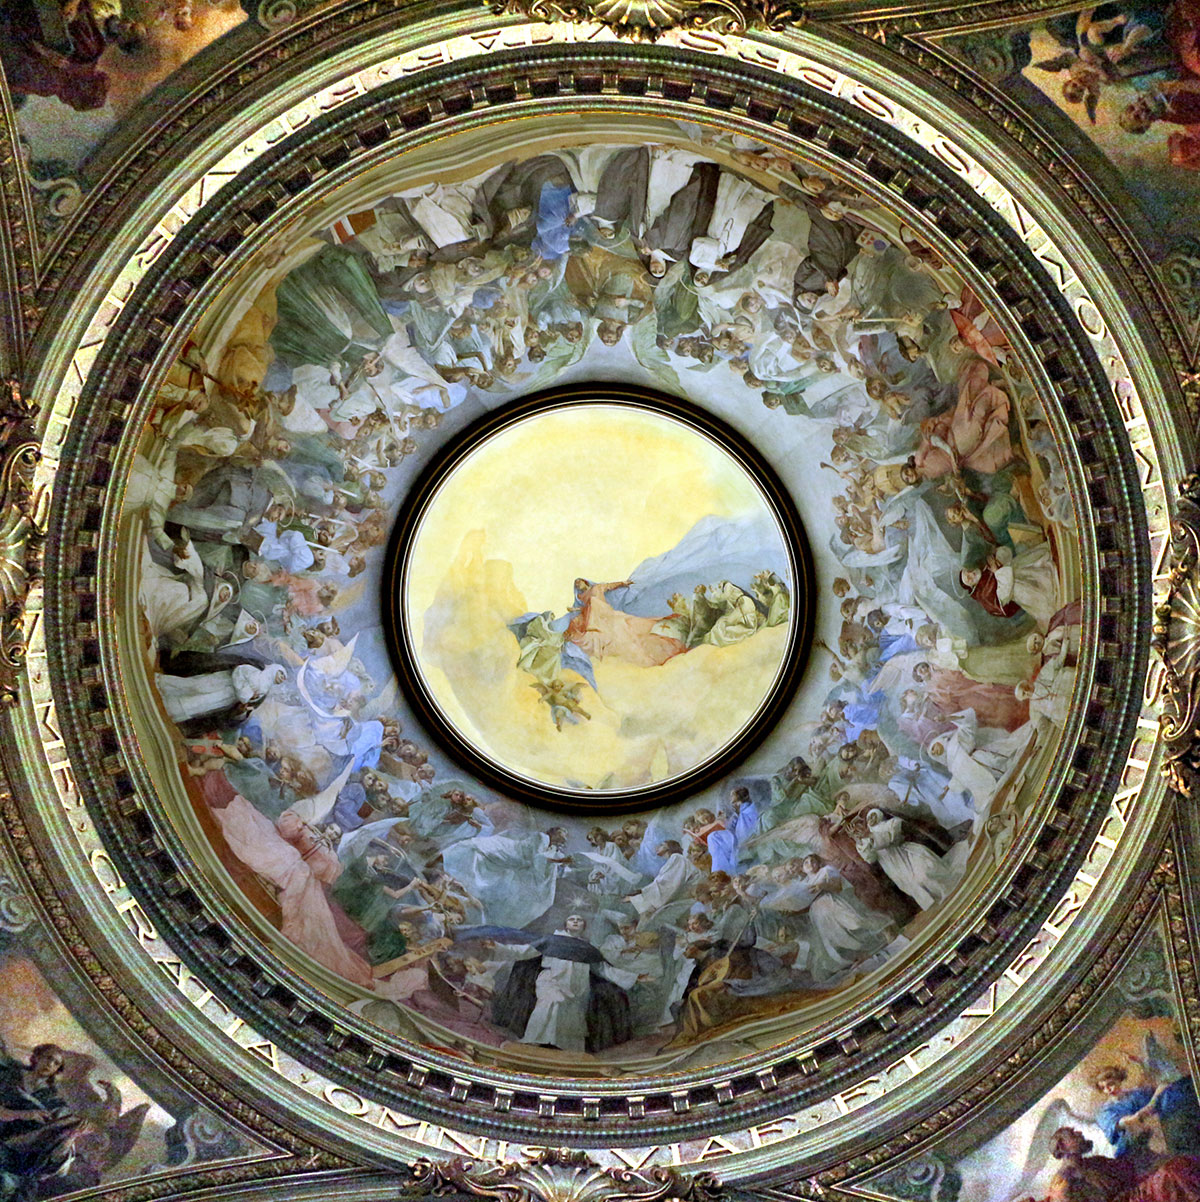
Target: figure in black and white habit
[561,991]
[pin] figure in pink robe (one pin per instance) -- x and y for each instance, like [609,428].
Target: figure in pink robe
[600,630]
[974,434]
[308,919]
[952,692]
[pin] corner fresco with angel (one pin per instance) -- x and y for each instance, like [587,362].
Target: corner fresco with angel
[72,1114]
[1122,1125]
[1128,76]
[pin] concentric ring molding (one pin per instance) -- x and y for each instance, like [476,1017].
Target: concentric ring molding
[1158,510]
[849,1028]
[557,404]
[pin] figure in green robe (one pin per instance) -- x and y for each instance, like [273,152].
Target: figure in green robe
[678,623]
[739,617]
[773,596]
[705,612]
[329,311]
[611,288]
[361,891]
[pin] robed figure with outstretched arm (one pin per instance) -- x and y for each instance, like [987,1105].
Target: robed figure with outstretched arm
[561,992]
[602,630]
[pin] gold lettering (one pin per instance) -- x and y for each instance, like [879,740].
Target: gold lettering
[400,1123]
[951,156]
[985,1007]
[473,1145]
[1150,463]
[758,54]
[138,921]
[1019,217]
[64,778]
[1090,318]
[105,871]
[265,1050]
[816,77]
[1154,686]
[48,720]
[871,102]
[634,1162]
[346,1101]
[862,1093]
[1048,253]
[716,1146]
[762,1134]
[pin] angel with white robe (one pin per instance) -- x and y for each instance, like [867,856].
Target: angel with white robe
[445,212]
[1029,579]
[845,930]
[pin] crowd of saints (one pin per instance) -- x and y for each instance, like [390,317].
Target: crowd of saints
[264,491]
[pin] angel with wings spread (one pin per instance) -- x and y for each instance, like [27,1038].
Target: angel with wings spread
[1103,38]
[58,1131]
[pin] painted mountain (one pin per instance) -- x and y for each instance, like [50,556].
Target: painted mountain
[714,549]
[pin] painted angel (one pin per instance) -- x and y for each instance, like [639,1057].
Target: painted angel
[1101,42]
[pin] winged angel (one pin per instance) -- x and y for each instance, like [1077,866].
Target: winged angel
[58,1130]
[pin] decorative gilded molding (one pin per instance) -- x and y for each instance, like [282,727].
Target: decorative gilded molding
[23,511]
[1176,638]
[427,1084]
[558,1175]
[646,20]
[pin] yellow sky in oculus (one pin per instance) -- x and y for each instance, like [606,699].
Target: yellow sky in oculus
[589,490]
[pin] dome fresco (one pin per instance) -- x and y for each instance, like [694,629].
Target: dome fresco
[499,504]
[597,602]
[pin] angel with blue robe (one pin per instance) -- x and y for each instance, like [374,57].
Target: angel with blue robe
[1167,1095]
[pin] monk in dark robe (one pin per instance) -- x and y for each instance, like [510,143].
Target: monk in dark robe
[563,995]
[687,215]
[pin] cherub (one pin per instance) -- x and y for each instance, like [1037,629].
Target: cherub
[563,700]
[1093,63]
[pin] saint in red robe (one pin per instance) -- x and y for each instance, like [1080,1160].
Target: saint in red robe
[995,705]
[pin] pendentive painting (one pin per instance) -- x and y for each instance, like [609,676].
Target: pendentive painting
[359,570]
[1128,77]
[81,1110]
[76,69]
[1122,1121]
